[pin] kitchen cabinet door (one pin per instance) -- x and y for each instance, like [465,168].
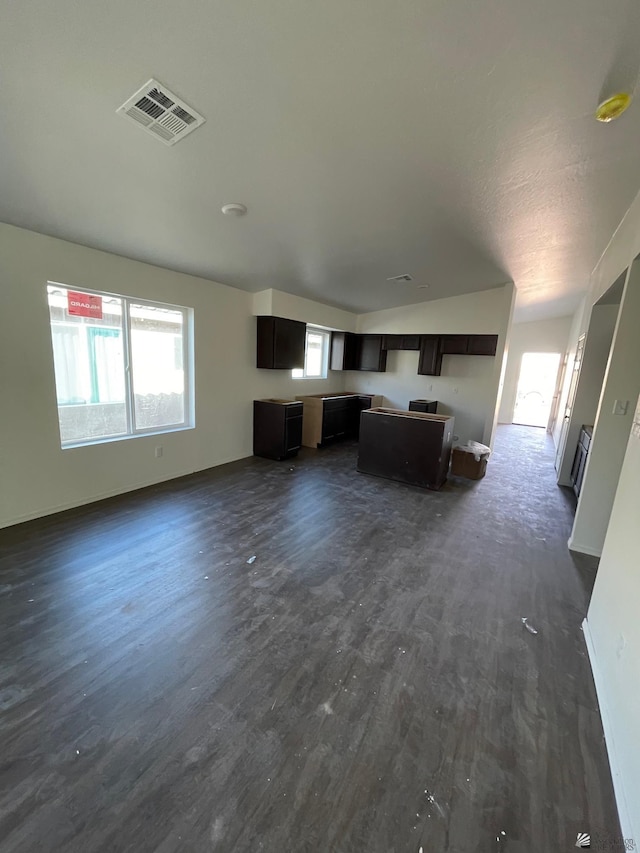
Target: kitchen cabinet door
[482,344]
[430,360]
[280,343]
[454,344]
[371,356]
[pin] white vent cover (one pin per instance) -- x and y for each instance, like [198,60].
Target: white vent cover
[161,113]
[405,277]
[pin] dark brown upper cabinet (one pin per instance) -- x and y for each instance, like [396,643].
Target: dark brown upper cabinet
[369,352]
[371,356]
[430,359]
[482,345]
[454,344]
[344,351]
[357,352]
[280,343]
[401,342]
[469,344]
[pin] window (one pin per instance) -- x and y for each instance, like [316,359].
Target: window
[121,365]
[316,355]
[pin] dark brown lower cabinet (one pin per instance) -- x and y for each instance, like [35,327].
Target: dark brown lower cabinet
[332,417]
[580,459]
[337,419]
[411,447]
[277,428]
[428,406]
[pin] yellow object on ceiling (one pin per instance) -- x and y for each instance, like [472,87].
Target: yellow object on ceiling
[613,107]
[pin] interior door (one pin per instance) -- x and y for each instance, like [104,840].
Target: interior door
[571,396]
[556,396]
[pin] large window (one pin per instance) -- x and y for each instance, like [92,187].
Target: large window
[316,355]
[121,365]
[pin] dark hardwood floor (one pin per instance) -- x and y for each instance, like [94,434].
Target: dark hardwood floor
[365,686]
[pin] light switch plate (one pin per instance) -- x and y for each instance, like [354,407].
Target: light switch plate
[620,407]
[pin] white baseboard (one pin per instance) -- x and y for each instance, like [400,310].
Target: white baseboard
[621,802]
[111,493]
[583,549]
[89,499]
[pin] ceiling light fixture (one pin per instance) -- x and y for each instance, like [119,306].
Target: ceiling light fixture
[234,209]
[613,107]
[423,286]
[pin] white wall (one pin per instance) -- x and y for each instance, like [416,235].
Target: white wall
[611,432]
[469,386]
[612,611]
[540,336]
[623,247]
[36,476]
[613,628]
[276,303]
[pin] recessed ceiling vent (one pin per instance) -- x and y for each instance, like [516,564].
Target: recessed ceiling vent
[404,277]
[161,113]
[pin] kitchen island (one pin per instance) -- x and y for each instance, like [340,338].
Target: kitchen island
[411,447]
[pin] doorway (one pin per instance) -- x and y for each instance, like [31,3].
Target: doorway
[568,403]
[537,388]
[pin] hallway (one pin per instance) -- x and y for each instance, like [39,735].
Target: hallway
[365,685]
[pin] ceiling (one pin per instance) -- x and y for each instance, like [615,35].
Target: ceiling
[453,140]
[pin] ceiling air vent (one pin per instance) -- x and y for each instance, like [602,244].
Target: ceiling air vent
[404,277]
[161,113]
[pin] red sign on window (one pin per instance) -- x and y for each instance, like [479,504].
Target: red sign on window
[84,304]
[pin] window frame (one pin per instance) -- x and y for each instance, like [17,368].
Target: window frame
[128,374]
[326,348]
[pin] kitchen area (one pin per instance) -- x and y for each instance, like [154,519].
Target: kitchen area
[411,445]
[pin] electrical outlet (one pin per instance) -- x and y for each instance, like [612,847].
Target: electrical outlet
[158,451]
[620,407]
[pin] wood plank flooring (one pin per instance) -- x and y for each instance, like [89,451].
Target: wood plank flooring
[365,686]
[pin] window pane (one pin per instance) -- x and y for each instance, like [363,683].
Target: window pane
[314,354]
[156,366]
[89,364]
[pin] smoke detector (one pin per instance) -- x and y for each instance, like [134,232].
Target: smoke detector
[164,115]
[405,277]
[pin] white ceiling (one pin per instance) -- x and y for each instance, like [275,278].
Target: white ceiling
[450,139]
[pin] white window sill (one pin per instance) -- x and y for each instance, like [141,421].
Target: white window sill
[72,445]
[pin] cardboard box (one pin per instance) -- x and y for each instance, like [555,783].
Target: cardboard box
[464,464]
